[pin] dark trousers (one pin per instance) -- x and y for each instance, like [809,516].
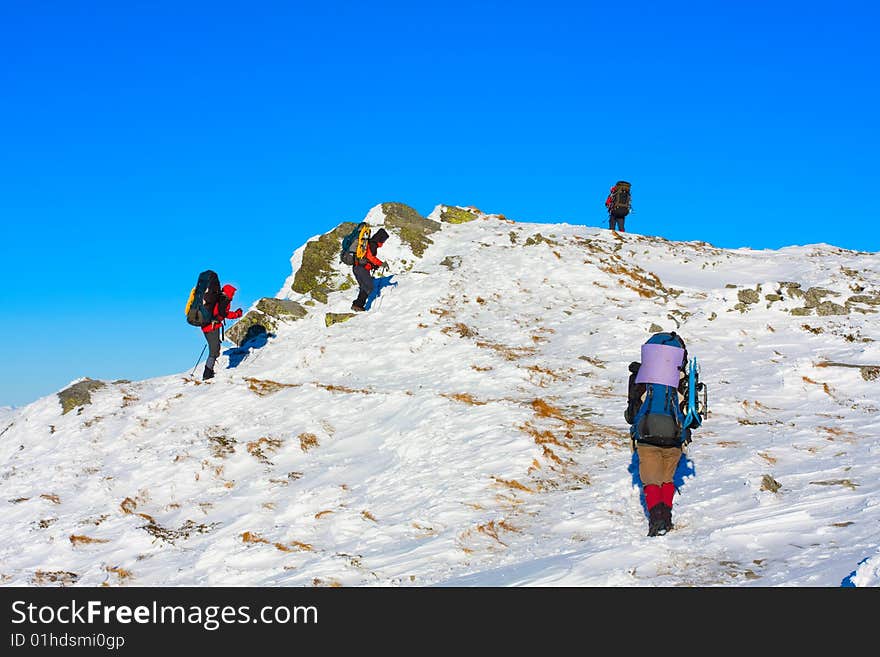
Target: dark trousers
[616,219]
[365,281]
[213,338]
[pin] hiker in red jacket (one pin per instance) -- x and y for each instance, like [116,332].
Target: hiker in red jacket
[212,331]
[362,269]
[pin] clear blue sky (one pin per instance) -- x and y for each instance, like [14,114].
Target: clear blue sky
[142,142]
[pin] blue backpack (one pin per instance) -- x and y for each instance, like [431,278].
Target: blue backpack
[654,410]
[354,244]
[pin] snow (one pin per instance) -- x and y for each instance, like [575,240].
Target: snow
[468,431]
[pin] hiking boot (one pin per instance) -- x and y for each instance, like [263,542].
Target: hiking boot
[357,308]
[659,520]
[208,373]
[666,516]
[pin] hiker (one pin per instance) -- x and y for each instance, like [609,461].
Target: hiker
[363,268]
[618,205]
[219,312]
[660,422]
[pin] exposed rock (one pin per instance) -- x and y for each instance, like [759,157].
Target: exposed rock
[317,275]
[655,328]
[282,308]
[869,372]
[813,296]
[770,484]
[79,394]
[801,311]
[748,296]
[252,325]
[412,228]
[456,215]
[265,319]
[537,238]
[773,297]
[451,262]
[336,318]
[790,289]
[864,298]
[831,308]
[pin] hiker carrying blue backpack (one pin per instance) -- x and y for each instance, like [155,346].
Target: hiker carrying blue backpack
[665,403]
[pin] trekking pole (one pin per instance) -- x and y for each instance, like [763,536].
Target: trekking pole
[193,373]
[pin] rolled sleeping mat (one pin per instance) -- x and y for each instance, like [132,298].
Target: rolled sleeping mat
[660,364]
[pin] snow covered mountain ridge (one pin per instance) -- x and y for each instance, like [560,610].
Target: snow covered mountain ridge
[468,429]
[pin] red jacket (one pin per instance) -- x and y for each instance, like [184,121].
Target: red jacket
[229,291]
[372,261]
[610,197]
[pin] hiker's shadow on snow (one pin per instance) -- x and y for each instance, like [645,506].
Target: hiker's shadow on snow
[685,468]
[256,338]
[378,285]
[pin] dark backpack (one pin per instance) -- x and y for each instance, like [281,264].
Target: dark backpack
[621,201]
[354,245]
[202,299]
[658,419]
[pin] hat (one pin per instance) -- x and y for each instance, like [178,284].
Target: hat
[229,290]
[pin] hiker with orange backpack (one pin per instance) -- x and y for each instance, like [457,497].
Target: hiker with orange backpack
[364,266]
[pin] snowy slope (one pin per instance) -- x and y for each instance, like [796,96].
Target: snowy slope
[468,430]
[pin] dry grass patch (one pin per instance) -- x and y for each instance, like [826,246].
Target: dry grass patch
[492,528]
[332,583]
[260,449]
[441,312]
[335,388]
[595,362]
[748,405]
[52,497]
[263,387]
[770,459]
[321,514]
[644,283]
[63,577]
[307,441]
[464,398]
[846,483]
[369,516]
[85,540]
[514,484]
[825,387]
[543,409]
[542,437]
[219,443]
[542,376]
[508,353]
[838,434]
[462,330]
[183,532]
[121,573]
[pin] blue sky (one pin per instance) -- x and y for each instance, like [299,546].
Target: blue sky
[143,142]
